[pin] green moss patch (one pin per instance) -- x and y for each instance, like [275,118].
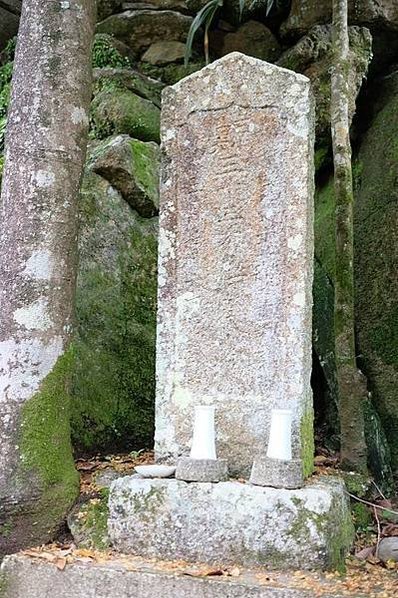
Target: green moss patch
[114,371]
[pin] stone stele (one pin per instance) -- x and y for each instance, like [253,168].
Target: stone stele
[235,264]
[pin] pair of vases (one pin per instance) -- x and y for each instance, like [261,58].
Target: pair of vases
[204,442]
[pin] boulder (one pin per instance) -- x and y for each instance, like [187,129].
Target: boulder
[122,111]
[375,14]
[161,53]
[388,549]
[128,79]
[376,256]
[132,168]
[379,457]
[113,377]
[105,8]
[312,56]
[178,5]
[254,39]
[141,28]
[170,73]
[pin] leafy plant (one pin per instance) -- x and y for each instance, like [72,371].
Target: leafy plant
[105,54]
[5,88]
[9,50]
[205,16]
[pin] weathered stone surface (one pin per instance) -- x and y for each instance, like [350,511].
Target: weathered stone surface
[141,28]
[179,5]
[254,39]
[375,13]
[113,373]
[312,56]
[10,11]
[87,522]
[273,472]
[124,78]
[231,522]
[132,167]
[388,549]
[161,53]
[376,250]
[378,450]
[235,270]
[22,577]
[115,111]
[202,470]
[107,7]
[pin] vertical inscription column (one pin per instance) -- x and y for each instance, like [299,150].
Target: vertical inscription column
[235,258]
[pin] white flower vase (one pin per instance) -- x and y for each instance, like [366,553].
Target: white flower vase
[280,437]
[203,441]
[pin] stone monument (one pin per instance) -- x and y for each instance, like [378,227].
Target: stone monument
[234,327]
[236,253]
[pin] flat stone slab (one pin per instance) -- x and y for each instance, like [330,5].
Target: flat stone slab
[232,522]
[24,576]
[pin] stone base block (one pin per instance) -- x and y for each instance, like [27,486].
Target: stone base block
[277,473]
[231,522]
[202,470]
[24,576]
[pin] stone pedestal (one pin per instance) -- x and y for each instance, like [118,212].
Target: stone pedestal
[202,470]
[277,473]
[231,522]
[235,258]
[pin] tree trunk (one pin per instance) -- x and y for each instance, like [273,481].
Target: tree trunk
[351,382]
[44,156]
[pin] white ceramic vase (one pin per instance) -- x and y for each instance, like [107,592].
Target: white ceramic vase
[280,436]
[203,441]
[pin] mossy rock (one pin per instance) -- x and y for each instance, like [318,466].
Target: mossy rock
[141,28]
[170,73]
[323,336]
[128,79]
[312,56]
[122,111]
[376,257]
[132,167]
[88,522]
[113,383]
[109,52]
[107,7]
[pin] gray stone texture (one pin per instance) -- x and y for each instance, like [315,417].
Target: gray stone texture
[231,522]
[202,470]
[312,56]
[132,168]
[141,28]
[277,473]
[25,577]
[252,38]
[375,14]
[161,53]
[235,265]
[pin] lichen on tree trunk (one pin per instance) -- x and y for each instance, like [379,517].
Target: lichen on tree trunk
[351,382]
[44,157]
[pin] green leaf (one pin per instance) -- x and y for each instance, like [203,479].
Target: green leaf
[204,17]
[241,7]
